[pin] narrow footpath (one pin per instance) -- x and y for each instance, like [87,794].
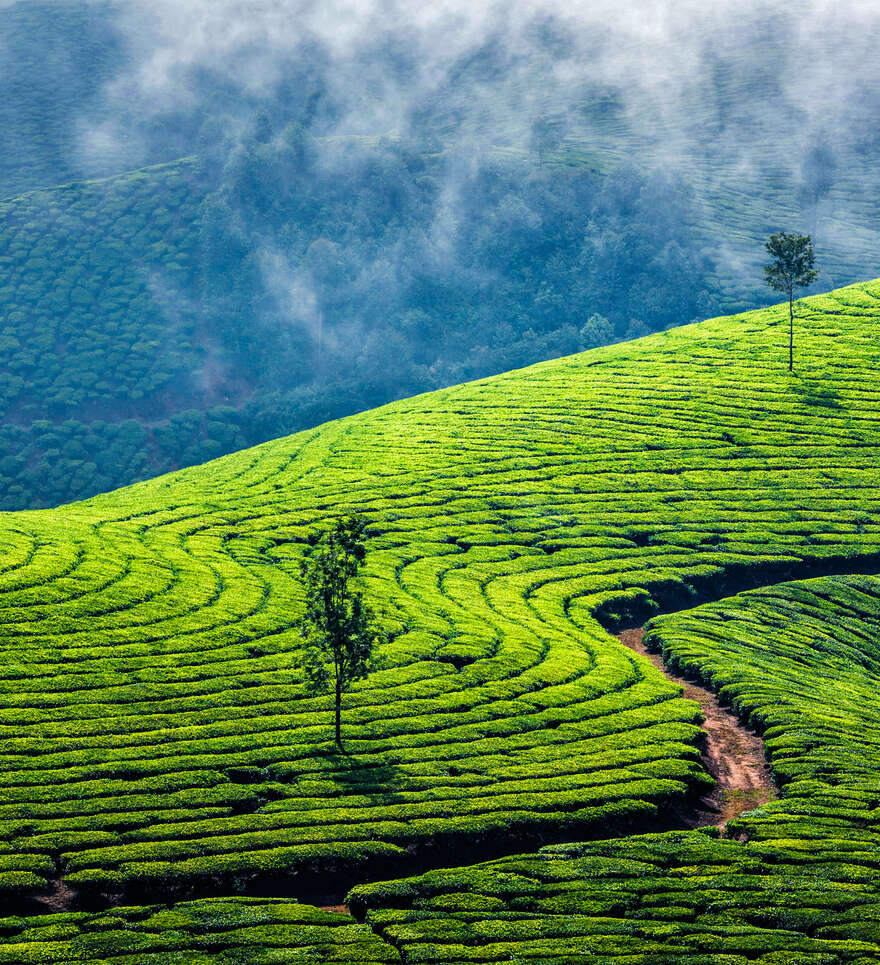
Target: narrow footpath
[733,754]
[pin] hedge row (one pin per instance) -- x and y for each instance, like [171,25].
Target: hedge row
[155,733]
[224,931]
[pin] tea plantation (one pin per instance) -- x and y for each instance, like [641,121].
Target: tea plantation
[157,743]
[104,355]
[237,931]
[800,879]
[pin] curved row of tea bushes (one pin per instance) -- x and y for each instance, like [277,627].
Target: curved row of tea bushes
[155,734]
[187,751]
[221,931]
[682,897]
[797,880]
[802,663]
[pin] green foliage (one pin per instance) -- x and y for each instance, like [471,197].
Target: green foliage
[152,739]
[794,880]
[214,931]
[793,261]
[337,626]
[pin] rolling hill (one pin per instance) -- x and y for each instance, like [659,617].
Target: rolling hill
[156,743]
[183,278]
[168,315]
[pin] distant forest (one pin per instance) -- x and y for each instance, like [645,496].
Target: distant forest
[233,271]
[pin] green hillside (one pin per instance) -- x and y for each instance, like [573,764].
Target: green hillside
[796,880]
[156,740]
[57,57]
[169,315]
[254,254]
[84,270]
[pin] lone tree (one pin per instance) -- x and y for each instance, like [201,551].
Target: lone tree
[337,626]
[792,267]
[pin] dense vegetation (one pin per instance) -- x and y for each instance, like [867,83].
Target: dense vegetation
[147,318]
[224,931]
[796,880]
[155,737]
[268,263]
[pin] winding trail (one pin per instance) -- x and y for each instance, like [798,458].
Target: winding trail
[733,753]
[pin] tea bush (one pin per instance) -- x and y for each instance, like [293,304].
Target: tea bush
[156,739]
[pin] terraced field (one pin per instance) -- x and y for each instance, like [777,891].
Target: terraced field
[220,931]
[795,880]
[156,741]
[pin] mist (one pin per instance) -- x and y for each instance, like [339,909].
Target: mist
[383,200]
[734,99]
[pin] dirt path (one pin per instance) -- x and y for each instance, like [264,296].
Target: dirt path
[59,898]
[336,909]
[733,755]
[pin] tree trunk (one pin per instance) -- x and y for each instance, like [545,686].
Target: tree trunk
[791,331]
[338,713]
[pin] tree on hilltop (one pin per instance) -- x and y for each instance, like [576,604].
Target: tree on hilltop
[792,267]
[338,628]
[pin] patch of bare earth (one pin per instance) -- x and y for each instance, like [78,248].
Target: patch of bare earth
[59,898]
[733,753]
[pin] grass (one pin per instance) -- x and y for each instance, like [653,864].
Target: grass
[156,740]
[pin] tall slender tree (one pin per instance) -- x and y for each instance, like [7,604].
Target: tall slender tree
[338,628]
[792,267]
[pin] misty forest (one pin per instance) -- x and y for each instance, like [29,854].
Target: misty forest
[218,231]
[439,504]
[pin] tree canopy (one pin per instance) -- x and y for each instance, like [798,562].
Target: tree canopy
[792,267]
[339,629]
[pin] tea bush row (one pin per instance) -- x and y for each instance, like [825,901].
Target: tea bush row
[154,729]
[217,931]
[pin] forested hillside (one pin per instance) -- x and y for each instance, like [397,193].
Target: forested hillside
[198,254]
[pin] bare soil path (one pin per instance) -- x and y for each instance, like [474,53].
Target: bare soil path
[733,754]
[59,899]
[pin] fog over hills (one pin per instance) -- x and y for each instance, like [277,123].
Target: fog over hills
[344,203]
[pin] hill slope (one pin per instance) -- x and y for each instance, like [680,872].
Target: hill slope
[312,227]
[795,880]
[171,314]
[154,734]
